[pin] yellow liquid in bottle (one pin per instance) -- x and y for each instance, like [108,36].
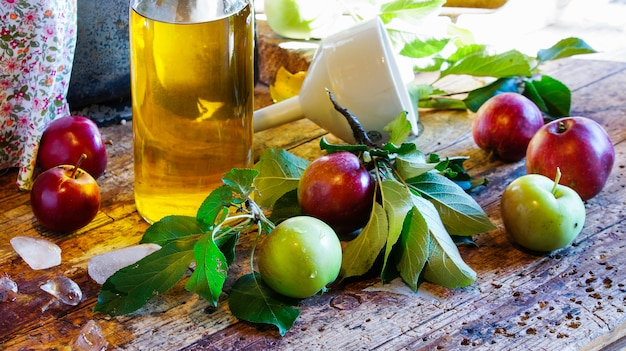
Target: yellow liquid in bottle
[192,93]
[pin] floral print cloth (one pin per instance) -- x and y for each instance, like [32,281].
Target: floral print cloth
[37,42]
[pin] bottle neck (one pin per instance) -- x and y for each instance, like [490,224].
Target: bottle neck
[187,11]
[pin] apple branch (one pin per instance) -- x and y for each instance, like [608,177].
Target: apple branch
[357,129]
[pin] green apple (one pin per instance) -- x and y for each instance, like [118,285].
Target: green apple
[541,215]
[302,19]
[300,257]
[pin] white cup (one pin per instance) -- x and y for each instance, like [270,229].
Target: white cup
[359,67]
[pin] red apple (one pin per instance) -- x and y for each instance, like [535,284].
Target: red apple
[504,125]
[65,139]
[337,189]
[580,147]
[65,198]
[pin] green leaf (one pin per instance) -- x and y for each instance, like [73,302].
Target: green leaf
[463,240]
[172,228]
[131,287]
[409,10]
[404,150]
[445,265]
[399,129]
[565,48]
[279,172]
[285,207]
[240,180]
[360,253]
[530,91]
[419,90]
[477,97]
[412,164]
[462,36]
[214,208]
[480,63]
[397,203]
[442,103]
[415,244]
[330,148]
[460,213]
[425,96]
[226,239]
[250,299]
[556,97]
[416,46]
[207,280]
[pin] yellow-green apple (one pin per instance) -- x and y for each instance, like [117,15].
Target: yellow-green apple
[302,19]
[541,215]
[300,257]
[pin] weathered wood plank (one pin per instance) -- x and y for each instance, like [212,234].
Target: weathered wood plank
[566,299]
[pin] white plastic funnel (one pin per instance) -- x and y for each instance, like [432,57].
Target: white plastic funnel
[358,66]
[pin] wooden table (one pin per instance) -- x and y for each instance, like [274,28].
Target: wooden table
[572,299]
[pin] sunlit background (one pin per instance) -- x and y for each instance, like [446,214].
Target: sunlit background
[529,25]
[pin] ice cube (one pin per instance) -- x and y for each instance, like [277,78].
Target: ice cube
[38,253]
[102,266]
[64,289]
[8,288]
[90,338]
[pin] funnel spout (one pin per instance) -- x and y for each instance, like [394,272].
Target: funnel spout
[285,111]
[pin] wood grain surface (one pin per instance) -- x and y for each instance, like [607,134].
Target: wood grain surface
[571,299]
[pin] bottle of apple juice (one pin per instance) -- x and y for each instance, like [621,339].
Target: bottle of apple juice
[192,86]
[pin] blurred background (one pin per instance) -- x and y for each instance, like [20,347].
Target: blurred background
[100,84]
[530,25]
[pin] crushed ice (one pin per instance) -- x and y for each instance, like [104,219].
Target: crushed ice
[8,288]
[38,253]
[90,338]
[64,289]
[102,266]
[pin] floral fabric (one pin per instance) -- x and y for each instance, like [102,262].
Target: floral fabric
[37,42]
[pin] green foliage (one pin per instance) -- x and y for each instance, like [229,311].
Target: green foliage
[209,276]
[280,172]
[456,53]
[360,253]
[131,287]
[512,71]
[564,48]
[422,210]
[476,60]
[417,195]
[461,214]
[252,300]
[420,203]
[408,10]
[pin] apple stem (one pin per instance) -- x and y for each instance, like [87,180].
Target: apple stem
[557,177]
[82,158]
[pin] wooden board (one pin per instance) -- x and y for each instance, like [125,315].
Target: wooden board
[571,299]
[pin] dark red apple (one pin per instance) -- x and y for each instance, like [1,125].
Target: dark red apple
[580,147]
[504,125]
[65,139]
[65,198]
[337,189]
